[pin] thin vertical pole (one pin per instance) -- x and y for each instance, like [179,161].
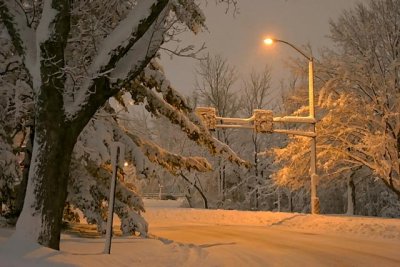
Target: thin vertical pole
[311,88]
[111,200]
[315,209]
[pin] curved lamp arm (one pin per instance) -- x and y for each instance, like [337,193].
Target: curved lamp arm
[310,58]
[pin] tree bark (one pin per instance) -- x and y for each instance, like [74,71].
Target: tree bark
[389,183]
[279,199]
[54,139]
[19,203]
[48,176]
[351,195]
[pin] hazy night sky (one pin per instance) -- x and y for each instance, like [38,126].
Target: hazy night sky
[239,38]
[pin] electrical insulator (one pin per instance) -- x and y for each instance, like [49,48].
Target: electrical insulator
[263,121]
[208,116]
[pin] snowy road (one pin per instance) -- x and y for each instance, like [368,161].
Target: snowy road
[261,246]
[240,238]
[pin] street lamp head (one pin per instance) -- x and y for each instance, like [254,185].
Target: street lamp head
[126,164]
[269,41]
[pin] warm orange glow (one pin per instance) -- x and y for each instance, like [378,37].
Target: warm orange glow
[126,164]
[268,41]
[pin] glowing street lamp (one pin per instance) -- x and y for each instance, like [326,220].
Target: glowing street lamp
[313,173]
[268,41]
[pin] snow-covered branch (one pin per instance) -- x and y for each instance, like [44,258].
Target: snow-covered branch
[170,161]
[157,106]
[117,44]
[122,56]
[189,51]
[22,35]
[153,77]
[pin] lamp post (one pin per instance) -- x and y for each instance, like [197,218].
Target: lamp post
[315,209]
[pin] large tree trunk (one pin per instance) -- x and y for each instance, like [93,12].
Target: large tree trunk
[54,139]
[48,177]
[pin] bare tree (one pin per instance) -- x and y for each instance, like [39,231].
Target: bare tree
[256,93]
[215,85]
[214,82]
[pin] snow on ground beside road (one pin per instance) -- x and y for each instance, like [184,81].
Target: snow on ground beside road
[371,227]
[87,252]
[131,251]
[157,204]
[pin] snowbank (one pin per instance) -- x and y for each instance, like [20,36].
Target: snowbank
[368,227]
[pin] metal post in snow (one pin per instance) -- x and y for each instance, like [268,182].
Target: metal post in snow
[315,207]
[117,152]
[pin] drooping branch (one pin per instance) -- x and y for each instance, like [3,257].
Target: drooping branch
[153,77]
[170,161]
[189,51]
[141,148]
[157,106]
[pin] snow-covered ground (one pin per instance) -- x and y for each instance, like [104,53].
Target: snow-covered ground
[191,237]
